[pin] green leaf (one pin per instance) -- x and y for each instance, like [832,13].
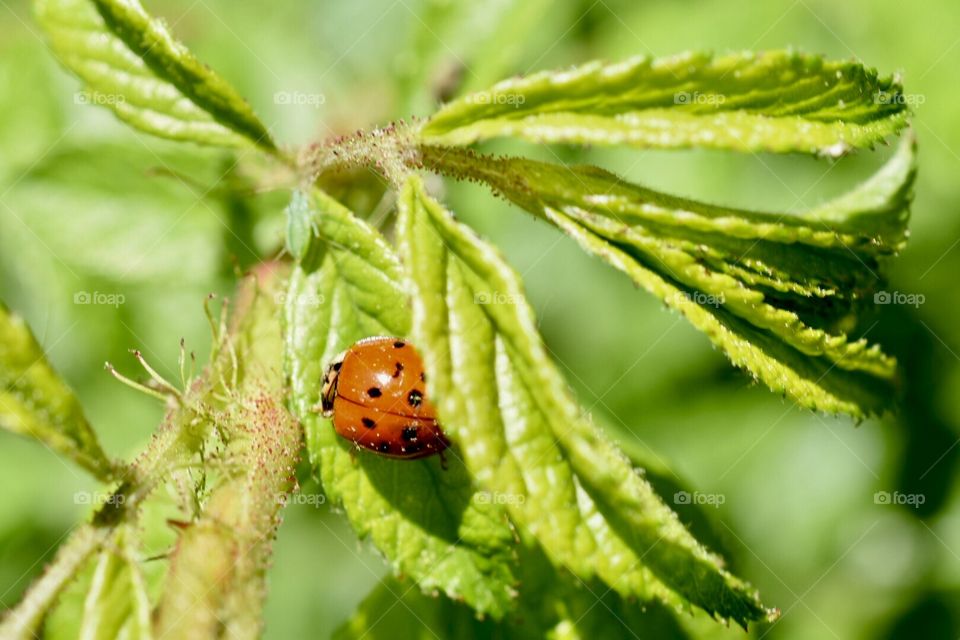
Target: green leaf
[523,436]
[777,101]
[430,523]
[553,604]
[36,402]
[394,609]
[117,604]
[133,65]
[779,293]
[810,382]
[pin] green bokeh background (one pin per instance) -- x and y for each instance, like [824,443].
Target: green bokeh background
[83,208]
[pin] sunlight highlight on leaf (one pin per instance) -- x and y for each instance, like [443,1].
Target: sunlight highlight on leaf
[782,294]
[776,101]
[430,523]
[523,436]
[132,65]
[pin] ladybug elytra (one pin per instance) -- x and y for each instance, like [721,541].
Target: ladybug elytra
[375,391]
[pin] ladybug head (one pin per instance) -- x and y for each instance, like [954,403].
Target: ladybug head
[329,390]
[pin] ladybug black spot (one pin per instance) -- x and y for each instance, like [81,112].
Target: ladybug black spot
[374,392]
[399,344]
[415,398]
[423,377]
[413,447]
[337,365]
[398,369]
[383,447]
[409,434]
[369,423]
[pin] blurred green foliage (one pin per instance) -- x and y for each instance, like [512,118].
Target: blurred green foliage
[88,206]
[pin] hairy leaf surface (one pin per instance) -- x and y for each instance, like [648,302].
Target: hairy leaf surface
[780,293]
[777,101]
[131,64]
[523,436]
[430,523]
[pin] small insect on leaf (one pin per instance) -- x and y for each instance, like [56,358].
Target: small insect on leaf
[376,395]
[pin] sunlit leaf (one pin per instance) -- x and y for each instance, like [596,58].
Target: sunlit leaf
[778,292]
[430,523]
[775,101]
[523,436]
[35,402]
[131,64]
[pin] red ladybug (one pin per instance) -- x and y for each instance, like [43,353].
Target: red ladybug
[376,393]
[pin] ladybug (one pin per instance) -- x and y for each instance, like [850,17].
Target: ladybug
[375,391]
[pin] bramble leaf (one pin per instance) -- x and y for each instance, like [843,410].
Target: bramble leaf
[523,436]
[779,293]
[777,101]
[430,523]
[132,64]
[553,604]
[35,401]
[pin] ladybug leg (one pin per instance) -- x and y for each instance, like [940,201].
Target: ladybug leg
[443,461]
[353,453]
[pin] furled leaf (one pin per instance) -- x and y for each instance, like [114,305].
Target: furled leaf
[777,101]
[117,604]
[35,402]
[430,523]
[131,63]
[523,436]
[779,293]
